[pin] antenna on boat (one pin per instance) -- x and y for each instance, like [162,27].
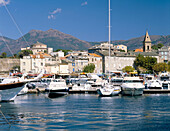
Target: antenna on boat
[5,117]
[109,42]
[22,36]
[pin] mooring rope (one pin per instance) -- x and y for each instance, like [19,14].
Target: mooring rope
[5,117]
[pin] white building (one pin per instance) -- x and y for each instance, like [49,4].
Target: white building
[97,61]
[121,47]
[57,54]
[118,62]
[39,47]
[35,63]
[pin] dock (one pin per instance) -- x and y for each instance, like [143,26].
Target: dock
[93,91]
[83,91]
[36,90]
[155,91]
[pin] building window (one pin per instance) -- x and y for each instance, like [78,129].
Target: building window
[41,64]
[165,53]
[165,57]
[23,63]
[147,47]
[34,63]
[162,53]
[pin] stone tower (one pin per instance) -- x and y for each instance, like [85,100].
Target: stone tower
[147,43]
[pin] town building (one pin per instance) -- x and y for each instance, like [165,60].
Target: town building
[121,48]
[102,47]
[164,54]
[39,47]
[97,61]
[117,60]
[57,54]
[35,63]
[147,43]
[138,50]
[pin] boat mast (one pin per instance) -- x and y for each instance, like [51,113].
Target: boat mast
[109,42]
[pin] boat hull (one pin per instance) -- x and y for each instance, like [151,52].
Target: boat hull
[8,92]
[57,93]
[132,91]
[108,92]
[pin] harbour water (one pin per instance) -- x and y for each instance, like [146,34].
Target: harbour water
[87,112]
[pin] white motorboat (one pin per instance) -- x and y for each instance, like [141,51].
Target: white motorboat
[95,81]
[116,81]
[165,79]
[56,88]
[132,86]
[154,84]
[108,90]
[10,87]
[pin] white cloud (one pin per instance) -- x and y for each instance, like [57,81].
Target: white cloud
[4,2]
[84,3]
[58,10]
[51,17]
[53,13]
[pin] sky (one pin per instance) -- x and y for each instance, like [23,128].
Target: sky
[86,19]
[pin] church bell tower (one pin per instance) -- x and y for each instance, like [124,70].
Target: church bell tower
[147,43]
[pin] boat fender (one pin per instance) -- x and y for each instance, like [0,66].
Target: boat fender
[38,90]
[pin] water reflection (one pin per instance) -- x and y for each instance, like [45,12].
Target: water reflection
[84,111]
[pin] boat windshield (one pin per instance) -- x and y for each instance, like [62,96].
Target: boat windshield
[163,78]
[132,81]
[46,80]
[117,80]
[59,80]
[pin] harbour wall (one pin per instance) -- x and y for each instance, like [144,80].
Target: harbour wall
[7,64]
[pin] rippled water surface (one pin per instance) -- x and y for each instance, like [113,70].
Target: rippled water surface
[87,112]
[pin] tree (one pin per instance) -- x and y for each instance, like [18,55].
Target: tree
[4,55]
[128,69]
[15,55]
[89,68]
[145,62]
[139,61]
[158,46]
[169,66]
[24,53]
[160,67]
[65,51]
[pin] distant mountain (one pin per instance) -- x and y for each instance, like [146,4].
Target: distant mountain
[58,40]
[135,43]
[52,38]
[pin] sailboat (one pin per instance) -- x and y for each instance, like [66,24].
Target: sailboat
[108,89]
[10,87]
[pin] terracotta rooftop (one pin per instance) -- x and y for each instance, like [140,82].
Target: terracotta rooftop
[95,55]
[41,55]
[139,50]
